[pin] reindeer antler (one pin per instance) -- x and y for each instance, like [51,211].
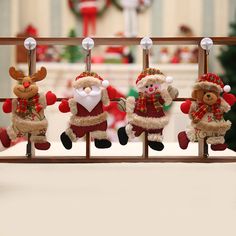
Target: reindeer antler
[40,74]
[15,74]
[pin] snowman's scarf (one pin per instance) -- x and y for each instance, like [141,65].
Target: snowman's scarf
[143,98]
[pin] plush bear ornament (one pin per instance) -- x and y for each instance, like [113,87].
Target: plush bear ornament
[147,112]
[86,106]
[27,110]
[206,112]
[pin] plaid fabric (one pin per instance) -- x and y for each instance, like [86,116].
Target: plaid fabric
[143,99]
[26,105]
[203,109]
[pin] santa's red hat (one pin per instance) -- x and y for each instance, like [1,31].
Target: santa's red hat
[87,79]
[210,81]
[154,75]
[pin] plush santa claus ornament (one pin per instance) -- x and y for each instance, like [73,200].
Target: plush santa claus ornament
[27,110]
[146,113]
[88,115]
[206,112]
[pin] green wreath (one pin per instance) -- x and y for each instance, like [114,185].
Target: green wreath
[140,9]
[103,5]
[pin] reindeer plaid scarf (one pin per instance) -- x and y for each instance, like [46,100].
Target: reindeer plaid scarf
[142,100]
[204,108]
[26,105]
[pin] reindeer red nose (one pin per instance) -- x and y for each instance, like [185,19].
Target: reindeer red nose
[26,84]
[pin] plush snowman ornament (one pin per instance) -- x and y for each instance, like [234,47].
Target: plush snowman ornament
[147,112]
[86,106]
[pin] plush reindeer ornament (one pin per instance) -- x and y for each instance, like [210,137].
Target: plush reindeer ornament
[27,110]
[147,112]
[206,112]
[88,115]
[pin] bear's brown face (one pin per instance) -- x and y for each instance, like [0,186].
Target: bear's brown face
[206,96]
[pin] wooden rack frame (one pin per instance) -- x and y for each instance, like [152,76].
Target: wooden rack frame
[202,68]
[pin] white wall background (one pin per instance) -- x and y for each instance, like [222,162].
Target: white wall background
[42,13]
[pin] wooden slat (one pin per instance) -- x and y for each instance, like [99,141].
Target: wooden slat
[120,41]
[145,138]
[113,100]
[125,159]
[202,69]
[31,57]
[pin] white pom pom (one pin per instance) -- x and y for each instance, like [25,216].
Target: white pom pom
[105,83]
[169,79]
[227,88]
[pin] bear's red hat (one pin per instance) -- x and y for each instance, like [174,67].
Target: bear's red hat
[211,81]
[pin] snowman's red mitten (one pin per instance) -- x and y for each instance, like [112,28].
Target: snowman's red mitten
[229,98]
[64,106]
[7,106]
[185,106]
[51,98]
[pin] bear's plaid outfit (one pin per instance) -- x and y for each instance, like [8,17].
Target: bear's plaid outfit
[207,120]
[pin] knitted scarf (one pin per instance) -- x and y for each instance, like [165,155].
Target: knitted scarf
[204,108]
[26,105]
[142,100]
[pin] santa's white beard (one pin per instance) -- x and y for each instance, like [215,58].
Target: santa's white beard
[88,100]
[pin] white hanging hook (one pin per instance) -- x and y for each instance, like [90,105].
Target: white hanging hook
[30,43]
[146,43]
[88,43]
[206,44]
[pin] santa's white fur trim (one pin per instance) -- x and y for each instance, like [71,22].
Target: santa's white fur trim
[155,137]
[73,106]
[148,122]
[87,81]
[215,140]
[130,104]
[99,134]
[129,131]
[71,135]
[88,120]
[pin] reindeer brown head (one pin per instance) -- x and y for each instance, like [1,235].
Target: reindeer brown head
[26,87]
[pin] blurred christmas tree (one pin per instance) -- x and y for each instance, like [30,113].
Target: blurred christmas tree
[227,60]
[72,53]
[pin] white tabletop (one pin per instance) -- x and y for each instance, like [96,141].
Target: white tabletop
[117,199]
